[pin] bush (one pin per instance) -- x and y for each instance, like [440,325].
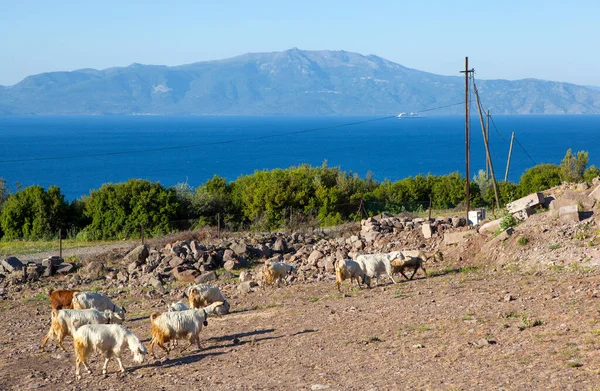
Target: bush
[34,213]
[508,221]
[591,173]
[523,240]
[538,178]
[118,211]
[572,168]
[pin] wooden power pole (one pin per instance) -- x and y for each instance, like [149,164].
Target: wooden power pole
[467,135]
[509,154]
[487,138]
[487,145]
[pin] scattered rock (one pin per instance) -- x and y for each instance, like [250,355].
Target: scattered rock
[138,254]
[206,277]
[11,264]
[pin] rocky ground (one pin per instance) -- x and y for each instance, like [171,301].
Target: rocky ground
[499,313]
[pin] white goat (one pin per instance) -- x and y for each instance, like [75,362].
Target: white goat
[84,300]
[178,325]
[348,269]
[204,295]
[110,340]
[62,322]
[276,272]
[373,265]
[179,306]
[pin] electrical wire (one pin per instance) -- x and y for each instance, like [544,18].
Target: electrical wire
[216,142]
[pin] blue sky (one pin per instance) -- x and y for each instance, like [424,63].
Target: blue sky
[554,40]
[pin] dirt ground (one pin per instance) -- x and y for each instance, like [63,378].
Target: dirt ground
[460,329]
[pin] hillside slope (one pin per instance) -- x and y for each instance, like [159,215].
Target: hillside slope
[292,82]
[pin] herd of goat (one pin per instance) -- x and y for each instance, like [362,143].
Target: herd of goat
[95,322]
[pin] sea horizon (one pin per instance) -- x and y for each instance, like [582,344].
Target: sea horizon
[80,153]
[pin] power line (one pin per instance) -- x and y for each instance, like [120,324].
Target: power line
[213,143]
[441,107]
[199,145]
[502,138]
[530,158]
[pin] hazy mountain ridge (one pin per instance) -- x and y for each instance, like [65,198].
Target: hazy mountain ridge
[289,82]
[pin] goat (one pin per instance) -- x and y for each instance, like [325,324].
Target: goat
[373,265]
[62,322]
[179,306]
[437,256]
[399,264]
[110,340]
[99,301]
[61,299]
[204,295]
[276,271]
[348,269]
[178,325]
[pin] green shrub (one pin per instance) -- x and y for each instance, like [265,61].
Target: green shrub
[538,178]
[572,168]
[508,221]
[591,173]
[523,240]
[118,211]
[34,213]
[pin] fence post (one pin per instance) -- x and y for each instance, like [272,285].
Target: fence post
[219,225]
[60,243]
[142,233]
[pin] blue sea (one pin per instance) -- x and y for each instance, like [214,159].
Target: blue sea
[79,154]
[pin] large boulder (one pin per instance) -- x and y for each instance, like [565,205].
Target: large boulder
[93,270]
[206,277]
[176,261]
[138,254]
[557,205]
[185,275]
[65,268]
[490,227]
[32,271]
[569,214]
[241,249]
[314,257]
[578,198]
[426,229]
[11,264]
[524,203]
[280,245]
[596,193]
[455,237]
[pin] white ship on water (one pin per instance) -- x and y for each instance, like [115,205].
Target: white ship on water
[408,115]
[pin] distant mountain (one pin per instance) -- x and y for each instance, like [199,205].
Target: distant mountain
[289,82]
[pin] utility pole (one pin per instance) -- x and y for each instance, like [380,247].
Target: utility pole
[487,138]
[487,146]
[509,154]
[467,135]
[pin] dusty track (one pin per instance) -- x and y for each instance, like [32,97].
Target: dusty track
[418,335]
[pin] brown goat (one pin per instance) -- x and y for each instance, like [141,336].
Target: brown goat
[62,299]
[399,264]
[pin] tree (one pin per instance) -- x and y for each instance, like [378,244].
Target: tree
[538,178]
[590,173]
[34,213]
[572,168]
[117,211]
